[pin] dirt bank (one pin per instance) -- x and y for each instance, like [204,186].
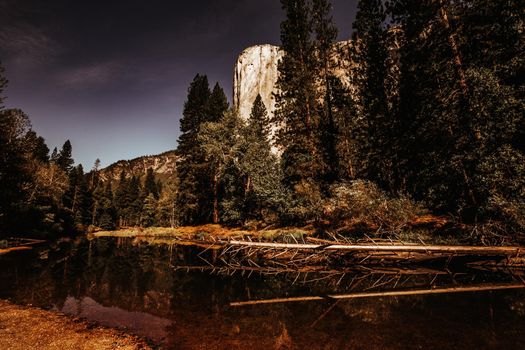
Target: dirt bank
[23,328]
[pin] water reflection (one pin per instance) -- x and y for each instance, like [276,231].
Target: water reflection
[134,285]
[152,326]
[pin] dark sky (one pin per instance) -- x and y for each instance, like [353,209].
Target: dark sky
[112,75]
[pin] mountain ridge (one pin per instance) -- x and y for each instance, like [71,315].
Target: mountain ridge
[163,165]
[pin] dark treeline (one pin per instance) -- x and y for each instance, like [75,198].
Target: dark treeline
[46,195]
[423,112]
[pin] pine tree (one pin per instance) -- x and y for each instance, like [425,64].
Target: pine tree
[149,211]
[325,34]
[189,168]
[218,142]
[262,190]
[195,197]
[37,147]
[297,105]
[121,201]
[96,208]
[150,185]
[64,158]
[376,127]
[166,212]
[94,178]
[217,104]
[108,213]
[135,201]
[54,156]
[496,42]
[456,110]
[80,196]
[14,124]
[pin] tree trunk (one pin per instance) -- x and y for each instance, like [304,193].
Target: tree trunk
[443,14]
[94,214]
[172,217]
[216,199]
[248,186]
[74,204]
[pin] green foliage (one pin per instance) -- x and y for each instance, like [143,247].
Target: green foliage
[311,104]
[375,130]
[296,101]
[328,85]
[195,197]
[14,125]
[81,197]
[217,104]
[247,179]
[264,195]
[219,143]
[129,197]
[434,112]
[30,187]
[106,213]
[149,211]
[64,158]
[167,204]
[363,201]
[150,186]
[37,147]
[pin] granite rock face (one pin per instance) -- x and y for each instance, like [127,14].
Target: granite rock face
[256,73]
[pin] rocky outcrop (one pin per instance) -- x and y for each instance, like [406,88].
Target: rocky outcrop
[256,73]
[163,166]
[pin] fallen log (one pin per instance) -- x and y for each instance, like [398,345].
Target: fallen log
[14,249]
[477,250]
[314,269]
[445,290]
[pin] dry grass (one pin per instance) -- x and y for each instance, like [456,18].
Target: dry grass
[23,328]
[203,231]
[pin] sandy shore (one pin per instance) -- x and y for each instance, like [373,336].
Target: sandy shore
[23,328]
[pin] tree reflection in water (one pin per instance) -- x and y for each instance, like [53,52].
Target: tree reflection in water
[135,285]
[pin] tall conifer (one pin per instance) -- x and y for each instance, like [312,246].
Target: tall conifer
[217,104]
[297,105]
[64,158]
[195,197]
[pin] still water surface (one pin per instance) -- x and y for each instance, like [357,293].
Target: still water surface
[135,286]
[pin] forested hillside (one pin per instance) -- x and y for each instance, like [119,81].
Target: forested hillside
[163,165]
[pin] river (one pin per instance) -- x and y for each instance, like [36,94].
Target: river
[140,287]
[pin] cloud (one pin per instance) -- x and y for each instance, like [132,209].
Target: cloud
[27,46]
[89,75]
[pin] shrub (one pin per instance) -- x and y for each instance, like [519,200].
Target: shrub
[362,202]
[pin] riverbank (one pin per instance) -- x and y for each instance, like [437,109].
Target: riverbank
[427,229]
[205,232]
[23,328]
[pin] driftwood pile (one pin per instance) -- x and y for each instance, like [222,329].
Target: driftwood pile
[313,254]
[365,269]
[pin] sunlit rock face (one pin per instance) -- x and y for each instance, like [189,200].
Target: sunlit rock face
[255,73]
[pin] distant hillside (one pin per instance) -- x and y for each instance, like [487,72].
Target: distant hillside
[163,166]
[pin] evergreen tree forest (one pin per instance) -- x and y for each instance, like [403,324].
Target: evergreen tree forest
[429,122]
[420,114]
[46,195]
